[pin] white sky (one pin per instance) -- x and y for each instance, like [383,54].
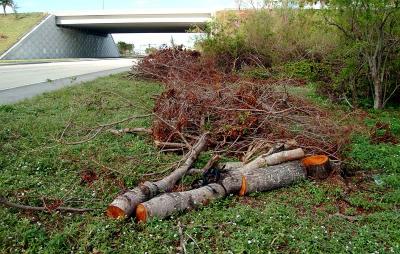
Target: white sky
[142,41]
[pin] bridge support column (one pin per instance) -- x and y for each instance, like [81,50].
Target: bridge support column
[47,41]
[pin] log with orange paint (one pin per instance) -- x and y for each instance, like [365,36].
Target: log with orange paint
[267,172]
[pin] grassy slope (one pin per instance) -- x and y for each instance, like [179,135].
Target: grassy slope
[34,166]
[14,27]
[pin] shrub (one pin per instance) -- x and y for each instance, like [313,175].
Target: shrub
[267,38]
[371,30]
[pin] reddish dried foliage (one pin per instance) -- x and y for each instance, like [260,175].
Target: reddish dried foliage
[237,112]
[88,176]
[382,133]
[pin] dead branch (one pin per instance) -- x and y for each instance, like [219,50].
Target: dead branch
[131,131]
[100,128]
[125,205]
[346,217]
[7,203]
[170,145]
[182,241]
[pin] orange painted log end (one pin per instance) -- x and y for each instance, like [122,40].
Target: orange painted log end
[315,160]
[243,189]
[317,167]
[115,212]
[141,213]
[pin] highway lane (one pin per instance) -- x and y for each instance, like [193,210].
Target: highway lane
[16,76]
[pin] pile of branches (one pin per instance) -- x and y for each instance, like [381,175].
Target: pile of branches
[242,116]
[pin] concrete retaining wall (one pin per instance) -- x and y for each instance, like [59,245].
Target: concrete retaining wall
[47,41]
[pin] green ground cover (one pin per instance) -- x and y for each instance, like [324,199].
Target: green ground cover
[36,167]
[14,27]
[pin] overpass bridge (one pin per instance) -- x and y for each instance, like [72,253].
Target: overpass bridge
[88,34]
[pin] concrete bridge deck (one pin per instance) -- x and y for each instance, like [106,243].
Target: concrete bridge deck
[134,22]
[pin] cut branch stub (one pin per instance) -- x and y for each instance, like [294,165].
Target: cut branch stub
[317,167]
[125,205]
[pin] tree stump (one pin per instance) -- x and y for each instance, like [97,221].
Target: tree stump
[317,167]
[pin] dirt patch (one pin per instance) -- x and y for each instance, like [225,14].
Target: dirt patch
[382,133]
[88,177]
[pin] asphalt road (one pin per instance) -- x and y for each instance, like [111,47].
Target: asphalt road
[22,81]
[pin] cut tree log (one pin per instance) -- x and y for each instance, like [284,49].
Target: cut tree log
[169,203]
[269,159]
[318,167]
[273,177]
[125,205]
[233,182]
[274,159]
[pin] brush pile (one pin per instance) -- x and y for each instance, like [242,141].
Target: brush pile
[202,108]
[243,116]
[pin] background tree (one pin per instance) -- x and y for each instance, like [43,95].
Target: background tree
[372,30]
[7,3]
[124,48]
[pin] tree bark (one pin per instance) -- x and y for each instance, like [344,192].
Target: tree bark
[167,204]
[378,99]
[233,182]
[274,159]
[125,205]
[264,179]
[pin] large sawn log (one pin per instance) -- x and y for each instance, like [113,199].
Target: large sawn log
[233,182]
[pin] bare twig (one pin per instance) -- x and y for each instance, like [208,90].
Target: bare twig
[347,217]
[131,131]
[5,202]
[182,241]
[100,128]
[177,146]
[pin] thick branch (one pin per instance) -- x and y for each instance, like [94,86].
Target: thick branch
[274,159]
[125,204]
[233,182]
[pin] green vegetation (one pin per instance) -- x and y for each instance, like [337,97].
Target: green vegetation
[36,167]
[371,31]
[355,42]
[13,27]
[125,49]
